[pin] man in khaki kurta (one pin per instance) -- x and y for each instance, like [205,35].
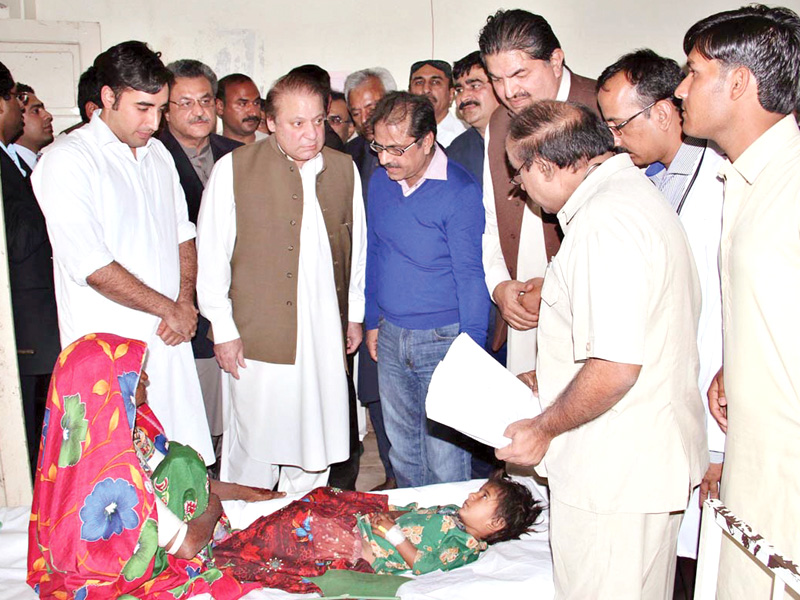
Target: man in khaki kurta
[622,430]
[745,106]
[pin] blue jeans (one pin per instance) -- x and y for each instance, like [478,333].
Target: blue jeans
[423,451]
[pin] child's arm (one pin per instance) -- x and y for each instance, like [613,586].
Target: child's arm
[381,524]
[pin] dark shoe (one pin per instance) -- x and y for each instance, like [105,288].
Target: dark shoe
[389,484]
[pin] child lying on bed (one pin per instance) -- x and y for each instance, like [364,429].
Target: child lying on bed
[335,529]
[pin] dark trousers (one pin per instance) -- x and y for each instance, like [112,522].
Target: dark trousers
[344,474]
[34,397]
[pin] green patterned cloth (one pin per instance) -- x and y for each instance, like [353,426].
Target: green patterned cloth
[438,534]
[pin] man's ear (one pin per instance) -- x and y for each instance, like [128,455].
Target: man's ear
[557,62]
[427,142]
[220,106]
[107,97]
[739,80]
[664,112]
[270,124]
[545,167]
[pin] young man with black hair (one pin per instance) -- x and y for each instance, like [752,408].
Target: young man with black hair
[741,92]
[123,245]
[38,130]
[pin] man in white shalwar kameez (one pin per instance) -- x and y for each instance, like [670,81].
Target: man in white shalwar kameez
[123,245]
[288,413]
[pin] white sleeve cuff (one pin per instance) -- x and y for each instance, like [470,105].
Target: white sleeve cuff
[169,525]
[224,330]
[93,262]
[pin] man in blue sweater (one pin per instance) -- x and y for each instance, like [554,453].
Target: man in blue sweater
[425,281]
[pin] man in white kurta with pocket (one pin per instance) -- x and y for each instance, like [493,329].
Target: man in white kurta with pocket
[123,245]
[282,253]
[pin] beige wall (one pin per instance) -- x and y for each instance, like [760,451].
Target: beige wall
[265,38]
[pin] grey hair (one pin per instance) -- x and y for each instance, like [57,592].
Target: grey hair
[190,69]
[356,78]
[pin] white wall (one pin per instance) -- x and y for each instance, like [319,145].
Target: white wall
[265,38]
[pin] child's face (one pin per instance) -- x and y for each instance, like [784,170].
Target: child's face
[478,511]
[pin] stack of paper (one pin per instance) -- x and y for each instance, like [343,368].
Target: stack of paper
[474,394]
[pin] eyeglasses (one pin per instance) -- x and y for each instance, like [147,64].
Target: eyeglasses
[338,120]
[516,179]
[616,128]
[393,150]
[188,103]
[23,98]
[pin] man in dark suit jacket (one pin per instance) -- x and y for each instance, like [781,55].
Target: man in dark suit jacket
[189,137]
[30,265]
[525,63]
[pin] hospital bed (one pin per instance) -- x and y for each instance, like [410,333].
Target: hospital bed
[509,570]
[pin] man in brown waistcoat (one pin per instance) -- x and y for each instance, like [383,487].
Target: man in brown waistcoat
[281,257]
[525,62]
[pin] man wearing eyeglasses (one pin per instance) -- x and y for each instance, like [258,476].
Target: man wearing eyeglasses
[636,99]
[238,104]
[339,118]
[30,266]
[189,136]
[424,282]
[525,62]
[476,100]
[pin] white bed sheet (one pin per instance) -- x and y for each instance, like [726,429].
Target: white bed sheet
[509,570]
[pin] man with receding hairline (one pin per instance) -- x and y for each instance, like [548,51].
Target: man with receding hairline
[434,80]
[622,428]
[239,106]
[281,254]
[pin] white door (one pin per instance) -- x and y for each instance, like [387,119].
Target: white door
[49,57]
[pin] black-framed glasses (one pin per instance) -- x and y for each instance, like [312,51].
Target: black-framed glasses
[393,150]
[516,179]
[617,128]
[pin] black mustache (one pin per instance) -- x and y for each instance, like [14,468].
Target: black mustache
[468,103]
[253,118]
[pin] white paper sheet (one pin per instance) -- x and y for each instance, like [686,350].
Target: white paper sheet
[474,394]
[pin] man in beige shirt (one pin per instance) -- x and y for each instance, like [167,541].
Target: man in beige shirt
[740,92]
[622,432]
